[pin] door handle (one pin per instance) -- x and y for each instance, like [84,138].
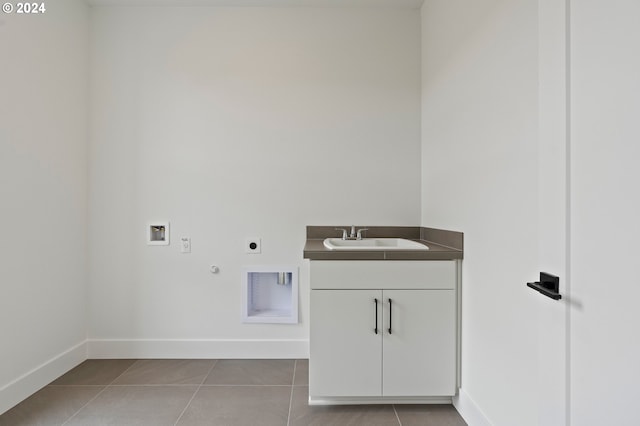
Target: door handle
[389,316]
[549,285]
[375,302]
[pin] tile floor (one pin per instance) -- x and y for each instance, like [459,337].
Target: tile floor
[202,392]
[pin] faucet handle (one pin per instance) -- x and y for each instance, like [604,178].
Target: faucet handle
[344,233]
[359,235]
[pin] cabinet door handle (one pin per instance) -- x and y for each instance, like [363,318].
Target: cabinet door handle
[375,302]
[389,316]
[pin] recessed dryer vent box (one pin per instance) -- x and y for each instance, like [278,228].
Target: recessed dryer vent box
[158,234]
[270,294]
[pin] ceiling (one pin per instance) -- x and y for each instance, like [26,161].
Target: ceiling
[403,4]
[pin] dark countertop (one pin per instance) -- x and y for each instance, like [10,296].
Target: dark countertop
[443,244]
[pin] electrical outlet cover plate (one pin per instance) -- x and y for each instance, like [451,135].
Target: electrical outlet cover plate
[185,245]
[253,245]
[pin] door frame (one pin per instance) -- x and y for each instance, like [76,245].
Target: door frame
[554,209]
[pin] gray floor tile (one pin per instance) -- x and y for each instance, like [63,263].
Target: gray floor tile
[52,405]
[429,415]
[95,372]
[166,372]
[251,372]
[301,377]
[135,405]
[238,406]
[237,392]
[338,415]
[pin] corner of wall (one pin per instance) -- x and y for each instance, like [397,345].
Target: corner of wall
[469,410]
[32,381]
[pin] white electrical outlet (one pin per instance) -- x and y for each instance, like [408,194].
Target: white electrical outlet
[185,245]
[253,245]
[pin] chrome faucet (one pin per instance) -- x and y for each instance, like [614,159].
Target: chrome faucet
[353,235]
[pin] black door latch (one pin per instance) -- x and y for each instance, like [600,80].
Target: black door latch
[549,285]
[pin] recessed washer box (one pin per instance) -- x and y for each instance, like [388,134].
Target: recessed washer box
[270,294]
[158,234]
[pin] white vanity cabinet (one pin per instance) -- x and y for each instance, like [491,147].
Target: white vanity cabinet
[382,330]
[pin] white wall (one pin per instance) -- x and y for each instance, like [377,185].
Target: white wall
[43,190]
[605,100]
[234,123]
[479,176]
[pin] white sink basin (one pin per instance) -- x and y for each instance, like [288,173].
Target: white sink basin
[373,244]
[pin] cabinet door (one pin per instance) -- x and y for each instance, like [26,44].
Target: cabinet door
[420,352]
[345,351]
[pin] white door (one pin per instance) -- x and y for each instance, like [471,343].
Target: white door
[605,212]
[419,347]
[552,212]
[588,353]
[346,349]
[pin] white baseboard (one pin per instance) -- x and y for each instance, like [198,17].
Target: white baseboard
[29,383]
[197,348]
[469,410]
